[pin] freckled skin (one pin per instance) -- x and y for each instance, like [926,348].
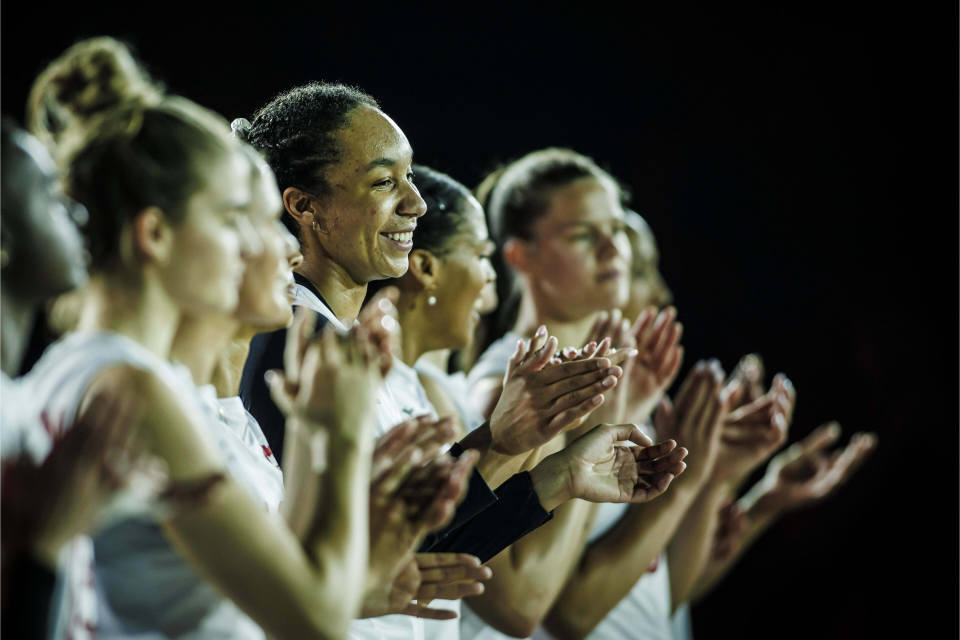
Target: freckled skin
[367,202]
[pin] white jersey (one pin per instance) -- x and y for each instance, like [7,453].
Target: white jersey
[400,397]
[456,387]
[143,588]
[15,416]
[494,361]
[56,386]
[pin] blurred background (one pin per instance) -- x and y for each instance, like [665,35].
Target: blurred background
[798,167]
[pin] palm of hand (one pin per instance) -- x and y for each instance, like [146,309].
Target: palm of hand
[608,476]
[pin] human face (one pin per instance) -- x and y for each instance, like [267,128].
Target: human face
[209,247]
[366,224]
[647,286]
[577,261]
[40,234]
[268,286]
[464,277]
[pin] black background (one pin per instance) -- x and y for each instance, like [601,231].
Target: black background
[798,166]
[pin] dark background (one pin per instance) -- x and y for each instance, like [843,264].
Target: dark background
[798,166]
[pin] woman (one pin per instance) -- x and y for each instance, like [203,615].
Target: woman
[344,171]
[167,235]
[560,225]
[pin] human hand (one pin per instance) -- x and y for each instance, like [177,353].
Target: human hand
[806,472]
[650,374]
[732,524]
[695,420]
[540,399]
[753,432]
[328,381]
[408,499]
[746,381]
[597,469]
[428,576]
[379,319]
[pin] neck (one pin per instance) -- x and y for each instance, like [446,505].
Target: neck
[569,332]
[141,311]
[342,294]
[440,358]
[200,342]
[15,324]
[417,336]
[229,367]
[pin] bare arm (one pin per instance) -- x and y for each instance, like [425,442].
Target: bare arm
[613,564]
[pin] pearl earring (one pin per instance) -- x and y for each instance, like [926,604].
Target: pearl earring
[432,300]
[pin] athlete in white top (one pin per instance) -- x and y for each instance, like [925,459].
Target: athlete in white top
[170,229]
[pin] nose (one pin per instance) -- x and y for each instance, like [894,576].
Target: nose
[412,203]
[294,257]
[608,247]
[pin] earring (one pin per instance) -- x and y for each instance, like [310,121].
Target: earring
[313,225]
[432,300]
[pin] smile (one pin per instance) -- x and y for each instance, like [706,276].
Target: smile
[403,237]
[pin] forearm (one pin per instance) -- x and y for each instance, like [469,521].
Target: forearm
[760,515]
[528,576]
[301,481]
[337,538]
[613,564]
[495,467]
[689,549]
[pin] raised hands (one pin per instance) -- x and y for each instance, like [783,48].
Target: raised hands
[408,499]
[428,576]
[650,374]
[807,471]
[541,398]
[695,420]
[595,467]
[756,429]
[330,380]
[379,319]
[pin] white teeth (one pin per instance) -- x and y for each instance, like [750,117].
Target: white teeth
[406,236]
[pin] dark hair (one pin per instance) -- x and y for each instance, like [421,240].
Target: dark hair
[123,148]
[445,198]
[295,132]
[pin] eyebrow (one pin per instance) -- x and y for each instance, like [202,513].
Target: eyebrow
[381,162]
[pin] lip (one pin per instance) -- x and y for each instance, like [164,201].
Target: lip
[405,245]
[292,291]
[612,274]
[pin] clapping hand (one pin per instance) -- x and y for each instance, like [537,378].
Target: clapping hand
[754,431]
[695,420]
[541,398]
[428,576]
[807,471]
[650,374]
[598,468]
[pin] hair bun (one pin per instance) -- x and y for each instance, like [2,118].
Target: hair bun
[92,78]
[241,128]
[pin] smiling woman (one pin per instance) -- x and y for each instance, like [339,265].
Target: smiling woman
[343,169]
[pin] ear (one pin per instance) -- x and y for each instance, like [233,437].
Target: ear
[424,268]
[152,237]
[516,254]
[302,206]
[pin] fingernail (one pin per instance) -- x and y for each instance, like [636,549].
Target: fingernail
[269,375]
[833,430]
[541,330]
[609,381]
[597,399]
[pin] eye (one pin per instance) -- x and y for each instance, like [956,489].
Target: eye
[386,182]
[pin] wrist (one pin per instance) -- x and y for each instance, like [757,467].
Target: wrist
[551,482]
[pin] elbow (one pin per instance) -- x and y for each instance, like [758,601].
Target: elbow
[568,625]
[520,626]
